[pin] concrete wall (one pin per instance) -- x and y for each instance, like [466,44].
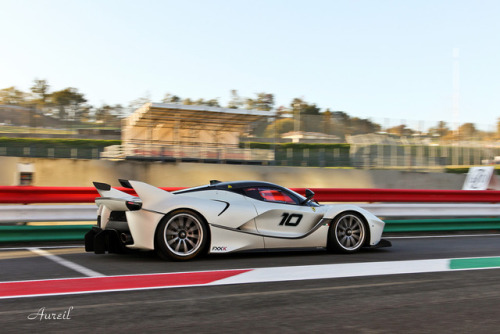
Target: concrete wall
[81,173]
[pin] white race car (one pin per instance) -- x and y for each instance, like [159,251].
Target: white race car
[225,217]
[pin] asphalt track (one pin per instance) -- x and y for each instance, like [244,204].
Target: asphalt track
[457,301]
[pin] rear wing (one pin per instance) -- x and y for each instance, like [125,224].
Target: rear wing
[114,199]
[117,200]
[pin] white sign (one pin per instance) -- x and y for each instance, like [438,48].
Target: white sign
[480,178]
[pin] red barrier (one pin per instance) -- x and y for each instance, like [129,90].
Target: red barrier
[27,195]
[403,195]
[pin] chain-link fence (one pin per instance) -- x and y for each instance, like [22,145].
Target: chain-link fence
[56,152]
[326,140]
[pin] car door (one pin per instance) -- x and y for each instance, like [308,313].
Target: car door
[281,219]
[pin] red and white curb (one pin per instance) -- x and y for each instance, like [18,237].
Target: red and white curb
[65,286]
[111,283]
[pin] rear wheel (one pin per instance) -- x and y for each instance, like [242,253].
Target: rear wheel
[347,233]
[182,235]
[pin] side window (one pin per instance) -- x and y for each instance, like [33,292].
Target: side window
[253,193]
[269,195]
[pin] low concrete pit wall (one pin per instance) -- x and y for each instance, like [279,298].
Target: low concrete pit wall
[81,173]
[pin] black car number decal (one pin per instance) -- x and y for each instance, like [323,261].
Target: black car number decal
[290,219]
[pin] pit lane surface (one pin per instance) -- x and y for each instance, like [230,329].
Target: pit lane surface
[445,302]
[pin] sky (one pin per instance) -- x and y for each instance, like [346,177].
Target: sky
[389,61]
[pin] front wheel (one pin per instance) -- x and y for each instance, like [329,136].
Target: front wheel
[182,235]
[347,233]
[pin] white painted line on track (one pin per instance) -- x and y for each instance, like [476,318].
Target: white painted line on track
[68,264]
[444,236]
[342,270]
[41,247]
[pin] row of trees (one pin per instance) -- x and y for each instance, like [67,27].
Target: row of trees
[305,116]
[71,105]
[442,131]
[67,104]
[262,101]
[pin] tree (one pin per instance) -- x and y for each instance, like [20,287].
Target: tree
[250,103]
[341,124]
[109,115]
[361,126]
[40,91]
[467,131]
[84,113]
[169,98]
[298,105]
[326,122]
[12,95]
[278,127]
[67,101]
[212,103]
[235,102]
[119,111]
[199,102]
[307,116]
[311,109]
[263,101]
[202,102]
[341,117]
[400,130]
[441,129]
[139,102]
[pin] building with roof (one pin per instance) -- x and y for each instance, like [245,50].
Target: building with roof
[168,131]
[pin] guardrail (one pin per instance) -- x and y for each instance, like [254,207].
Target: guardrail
[404,195]
[473,212]
[47,213]
[30,195]
[84,213]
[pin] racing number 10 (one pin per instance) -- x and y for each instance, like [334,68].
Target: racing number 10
[290,219]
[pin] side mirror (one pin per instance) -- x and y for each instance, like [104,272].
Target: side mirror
[309,194]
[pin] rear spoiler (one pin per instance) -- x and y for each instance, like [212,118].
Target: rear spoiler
[117,200]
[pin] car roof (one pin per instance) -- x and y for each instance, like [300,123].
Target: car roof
[231,186]
[243,184]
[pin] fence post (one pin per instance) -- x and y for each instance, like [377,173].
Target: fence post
[408,155]
[336,156]
[444,155]
[289,156]
[321,157]
[305,157]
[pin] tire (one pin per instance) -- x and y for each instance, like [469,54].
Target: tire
[347,234]
[181,236]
